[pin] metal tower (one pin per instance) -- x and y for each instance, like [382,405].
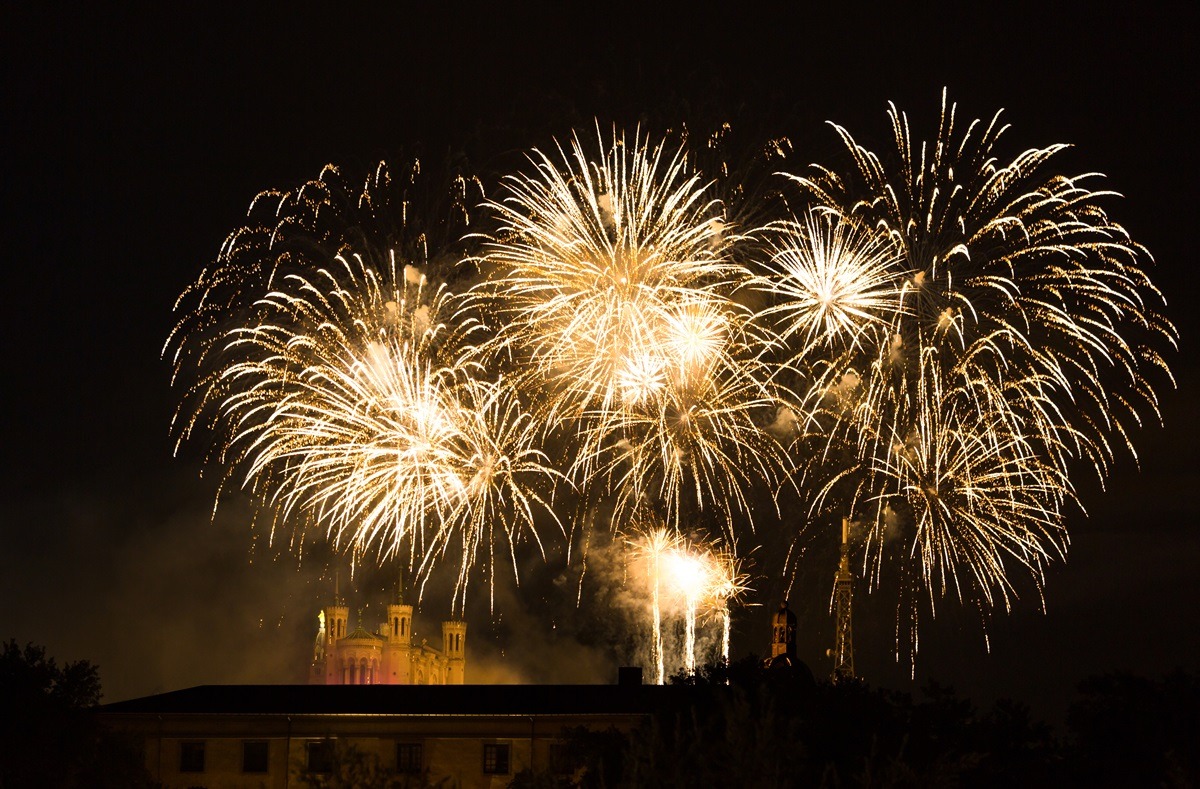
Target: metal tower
[843,593]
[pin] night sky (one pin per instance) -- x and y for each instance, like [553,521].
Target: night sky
[134,141]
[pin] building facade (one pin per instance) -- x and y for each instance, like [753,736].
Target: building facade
[388,656]
[281,736]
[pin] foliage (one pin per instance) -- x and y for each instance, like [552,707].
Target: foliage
[1133,730]
[52,737]
[354,768]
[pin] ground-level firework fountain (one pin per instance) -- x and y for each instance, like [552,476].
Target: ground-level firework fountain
[688,580]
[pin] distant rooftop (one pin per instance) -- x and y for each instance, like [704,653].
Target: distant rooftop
[403,700]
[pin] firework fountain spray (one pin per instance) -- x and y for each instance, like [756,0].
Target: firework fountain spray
[652,546]
[727,583]
[691,575]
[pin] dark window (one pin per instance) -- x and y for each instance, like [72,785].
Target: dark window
[408,757]
[320,756]
[191,757]
[254,756]
[495,759]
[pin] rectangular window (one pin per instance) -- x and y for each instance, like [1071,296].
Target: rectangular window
[408,757]
[191,757]
[320,756]
[254,756]
[495,759]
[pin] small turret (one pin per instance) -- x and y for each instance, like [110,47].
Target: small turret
[454,647]
[783,636]
[398,647]
[336,628]
[399,619]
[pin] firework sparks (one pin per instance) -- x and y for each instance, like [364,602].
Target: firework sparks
[651,547]
[945,331]
[966,330]
[610,280]
[727,583]
[689,573]
[353,407]
[834,283]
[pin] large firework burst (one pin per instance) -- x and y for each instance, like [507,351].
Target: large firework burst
[967,330]
[1015,257]
[350,405]
[954,331]
[610,282]
[412,216]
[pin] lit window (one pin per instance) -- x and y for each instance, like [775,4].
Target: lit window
[320,756]
[254,756]
[191,757]
[495,759]
[408,757]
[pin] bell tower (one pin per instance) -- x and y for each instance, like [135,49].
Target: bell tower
[783,637]
[336,618]
[454,647]
[398,645]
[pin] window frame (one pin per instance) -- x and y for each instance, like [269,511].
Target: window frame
[192,748]
[495,749]
[319,746]
[409,765]
[266,757]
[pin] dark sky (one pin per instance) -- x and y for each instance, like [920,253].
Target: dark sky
[133,142]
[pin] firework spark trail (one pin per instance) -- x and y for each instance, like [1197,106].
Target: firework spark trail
[952,332]
[355,408]
[610,280]
[727,583]
[965,330]
[651,546]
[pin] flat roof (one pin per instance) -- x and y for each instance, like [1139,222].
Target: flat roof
[405,700]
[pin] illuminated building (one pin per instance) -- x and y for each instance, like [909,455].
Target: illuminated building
[283,736]
[387,656]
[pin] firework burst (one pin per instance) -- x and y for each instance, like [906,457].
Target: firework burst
[1015,258]
[354,408]
[610,280]
[965,331]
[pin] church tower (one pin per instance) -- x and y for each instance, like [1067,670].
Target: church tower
[783,637]
[336,618]
[398,644]
[391,655]
[454,646]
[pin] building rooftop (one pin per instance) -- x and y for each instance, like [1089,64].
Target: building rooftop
[403,700]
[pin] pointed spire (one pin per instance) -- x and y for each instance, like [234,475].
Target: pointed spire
[337,595]
[399,586]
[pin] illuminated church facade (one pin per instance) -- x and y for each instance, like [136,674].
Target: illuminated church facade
[388,656]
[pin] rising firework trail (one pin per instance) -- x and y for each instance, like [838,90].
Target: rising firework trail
[689,576]
[727,583]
